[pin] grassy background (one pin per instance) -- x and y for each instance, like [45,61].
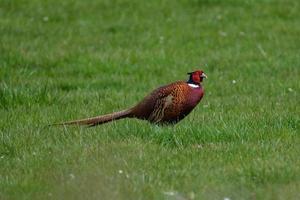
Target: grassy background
[72,59]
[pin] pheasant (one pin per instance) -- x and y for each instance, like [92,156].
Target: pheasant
[165,105]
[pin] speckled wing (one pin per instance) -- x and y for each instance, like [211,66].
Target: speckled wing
[158,113]
[168,103]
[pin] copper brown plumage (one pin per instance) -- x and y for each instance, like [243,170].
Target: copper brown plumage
[166,105]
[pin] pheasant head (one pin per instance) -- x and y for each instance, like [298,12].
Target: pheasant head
[196,77]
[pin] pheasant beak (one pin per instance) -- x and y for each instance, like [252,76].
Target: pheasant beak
[203,75]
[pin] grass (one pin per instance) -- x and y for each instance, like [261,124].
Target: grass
[72,59]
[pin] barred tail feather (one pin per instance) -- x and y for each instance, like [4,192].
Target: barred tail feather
[94,121]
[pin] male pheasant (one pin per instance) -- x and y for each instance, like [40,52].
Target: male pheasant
[166,105]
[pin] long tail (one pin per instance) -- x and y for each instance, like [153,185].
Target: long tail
[94,121]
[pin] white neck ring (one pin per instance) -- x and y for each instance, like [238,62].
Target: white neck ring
[193,85]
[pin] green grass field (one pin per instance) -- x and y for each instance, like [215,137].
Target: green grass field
[73,59]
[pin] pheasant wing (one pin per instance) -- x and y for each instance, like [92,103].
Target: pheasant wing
[160,106]
[157,106]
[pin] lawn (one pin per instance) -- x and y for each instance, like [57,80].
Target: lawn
[73,59]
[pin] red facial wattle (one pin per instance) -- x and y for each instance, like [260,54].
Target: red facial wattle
[196,77]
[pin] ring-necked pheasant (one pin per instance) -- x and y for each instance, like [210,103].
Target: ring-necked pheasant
[166,105]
